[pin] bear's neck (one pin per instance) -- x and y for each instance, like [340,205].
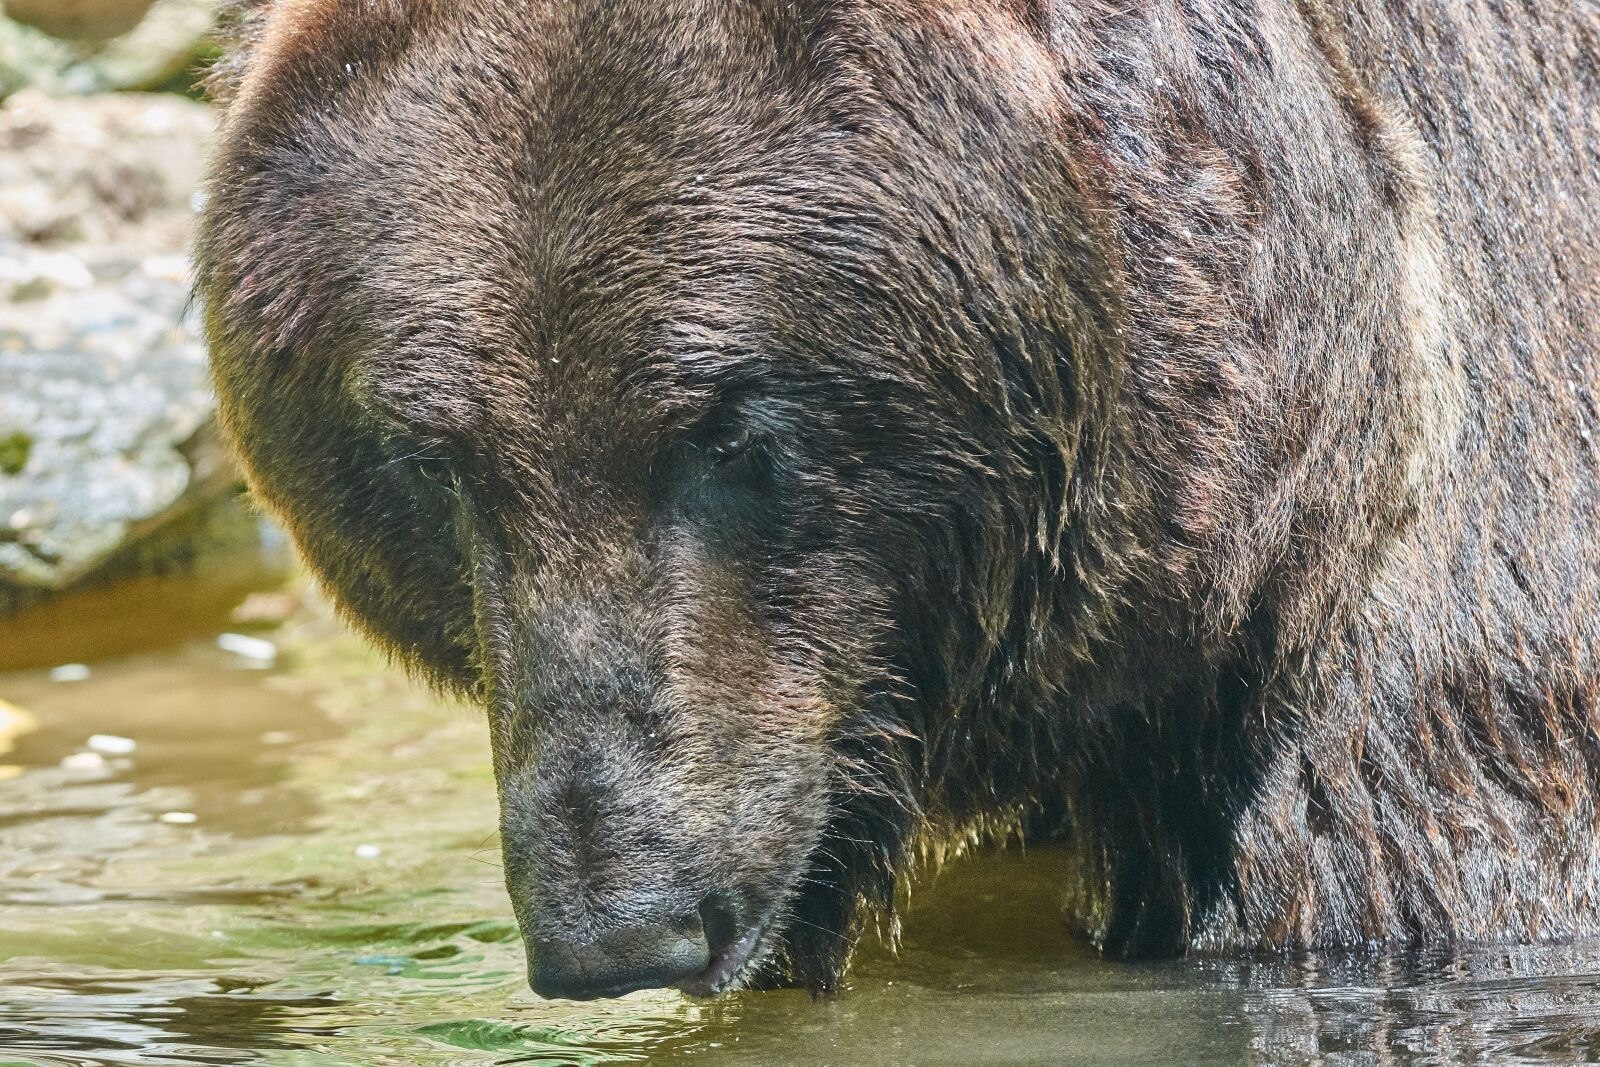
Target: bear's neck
[1427,770]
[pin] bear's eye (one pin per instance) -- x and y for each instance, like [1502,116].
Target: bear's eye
[439,472]
[731,443]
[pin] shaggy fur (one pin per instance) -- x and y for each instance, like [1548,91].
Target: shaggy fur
[1172,429]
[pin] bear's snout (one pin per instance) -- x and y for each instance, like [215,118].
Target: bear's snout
[646,956]
[621,881]
[699,953]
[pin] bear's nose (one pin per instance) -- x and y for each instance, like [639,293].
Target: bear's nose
[620,961]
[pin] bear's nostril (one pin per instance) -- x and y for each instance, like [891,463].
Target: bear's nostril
[720,920]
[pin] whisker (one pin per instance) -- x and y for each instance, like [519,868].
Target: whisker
[832,933]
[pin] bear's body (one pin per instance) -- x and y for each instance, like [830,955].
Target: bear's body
[1166,426]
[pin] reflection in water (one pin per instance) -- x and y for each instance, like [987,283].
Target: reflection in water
[335,900]
[145,1019]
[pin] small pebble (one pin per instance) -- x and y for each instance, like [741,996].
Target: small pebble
[251,648]
[84,761]
[70,672]
[390,964]
[265,608]
[50,270]
[180,818]
[166,268]
[368,852]
[112,745]
[13,721]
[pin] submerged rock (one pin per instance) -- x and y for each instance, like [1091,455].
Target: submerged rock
[109,463]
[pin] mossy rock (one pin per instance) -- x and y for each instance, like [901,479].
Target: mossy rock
[15,448]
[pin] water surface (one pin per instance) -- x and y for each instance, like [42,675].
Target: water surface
[297,866]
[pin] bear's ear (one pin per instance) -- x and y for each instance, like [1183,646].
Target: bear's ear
[241,25]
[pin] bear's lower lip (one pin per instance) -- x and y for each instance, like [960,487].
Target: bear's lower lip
[725,966]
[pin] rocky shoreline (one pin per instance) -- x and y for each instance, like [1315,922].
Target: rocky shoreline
[110,466]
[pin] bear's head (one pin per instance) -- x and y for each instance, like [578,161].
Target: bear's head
[700,388]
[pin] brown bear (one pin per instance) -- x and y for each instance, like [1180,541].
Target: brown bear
[824,433]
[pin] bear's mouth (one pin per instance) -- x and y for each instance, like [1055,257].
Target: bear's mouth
[727,964]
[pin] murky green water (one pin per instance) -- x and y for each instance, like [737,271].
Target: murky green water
[335,900]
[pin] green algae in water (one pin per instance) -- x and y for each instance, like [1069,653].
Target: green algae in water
[479,1035]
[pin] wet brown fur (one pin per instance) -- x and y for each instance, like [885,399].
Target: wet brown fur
[1179,438]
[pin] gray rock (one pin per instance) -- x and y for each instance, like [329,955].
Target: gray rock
[29,56]
[106,436]
[103,392]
